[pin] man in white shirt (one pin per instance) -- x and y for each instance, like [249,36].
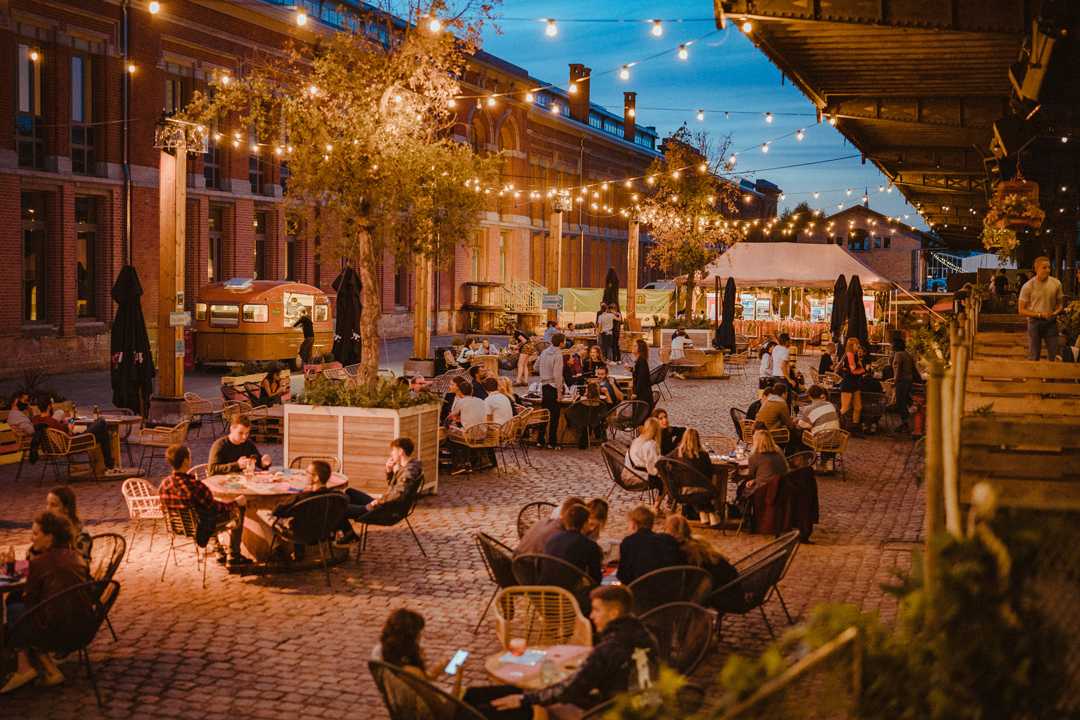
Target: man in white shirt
[466,410]
[18,418]
[1041,300]
[499,407]
[550,367]
[605,323]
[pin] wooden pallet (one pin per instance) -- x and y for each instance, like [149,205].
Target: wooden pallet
[269,427]
[1004,345]
[1039,389]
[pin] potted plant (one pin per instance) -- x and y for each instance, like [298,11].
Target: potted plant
[1015,206]
[356,421]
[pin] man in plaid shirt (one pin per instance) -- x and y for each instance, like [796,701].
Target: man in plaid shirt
[181,490]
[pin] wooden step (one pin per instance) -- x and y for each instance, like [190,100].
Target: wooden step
[992,322]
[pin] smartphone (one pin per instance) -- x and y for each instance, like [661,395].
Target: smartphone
[456,662]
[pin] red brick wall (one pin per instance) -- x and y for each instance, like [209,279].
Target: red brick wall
[10,254]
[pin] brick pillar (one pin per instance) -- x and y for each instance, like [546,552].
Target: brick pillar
[8,100]
[276,244]
[10,250]
[60,221]
[243,238]
[56,108]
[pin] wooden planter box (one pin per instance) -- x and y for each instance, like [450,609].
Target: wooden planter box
[700,338]
[361,438]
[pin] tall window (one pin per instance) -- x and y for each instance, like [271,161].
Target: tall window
[34,244]
[262,259]
[504,246]
[214,267]
[86,268]
[401,287]
[256,168]
[29,135]
[175,100]
[212,163]
[82,116]
[292,232]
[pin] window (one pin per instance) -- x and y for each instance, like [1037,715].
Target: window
[284,176]
[877,241]
[34,257]
[213,160]
[214,268]
[224,315]
[29,135]
[256,171]
[255,313]
[200,311]
[596,121]
[840,240]
[322,313]
[888,242]
[401,287]
[292,232]
[82,116]
[175,99]
[859,240]
[262,259]
[504,245]
[86,270]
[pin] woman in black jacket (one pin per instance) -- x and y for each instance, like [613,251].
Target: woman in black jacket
[642,381]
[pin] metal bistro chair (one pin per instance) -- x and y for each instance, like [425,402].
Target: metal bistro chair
[627,417]
[736,363]
[542,615]
[658,378]
[106,552]
[300,462]
[390,515]
[408,696]
[531,514]
[498,560]
[758,579]
[540,569]
[509,438]
[684,633]
[621,474]
[313,521]
[679,583]
[737,418]
[685,485]
[538,420]
[157,440]
[59,447]
[184,523]
[142,504]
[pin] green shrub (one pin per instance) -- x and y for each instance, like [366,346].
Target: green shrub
[382,393]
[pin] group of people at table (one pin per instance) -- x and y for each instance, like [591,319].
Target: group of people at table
[31,417]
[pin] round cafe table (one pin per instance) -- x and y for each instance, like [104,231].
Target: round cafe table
[523,670]
[264,491]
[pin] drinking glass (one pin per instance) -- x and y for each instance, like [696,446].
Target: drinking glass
[517,646]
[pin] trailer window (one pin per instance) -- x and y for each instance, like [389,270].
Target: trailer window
[224,315]
[200,311]
[255,313]
[322,313]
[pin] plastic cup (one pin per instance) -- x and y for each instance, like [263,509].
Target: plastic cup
[517,646]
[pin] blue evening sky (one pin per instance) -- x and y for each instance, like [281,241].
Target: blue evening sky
[724,72]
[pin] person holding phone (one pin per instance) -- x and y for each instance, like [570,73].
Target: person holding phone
[399,644]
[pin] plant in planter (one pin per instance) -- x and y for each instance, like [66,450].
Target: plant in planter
[1015,205]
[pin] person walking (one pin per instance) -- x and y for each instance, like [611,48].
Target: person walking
[605,323]
[851,370]
[550,367]
[616,328]
[1041,300]
[903,367]
[304,323]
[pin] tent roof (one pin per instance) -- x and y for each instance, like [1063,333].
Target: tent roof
[814,265]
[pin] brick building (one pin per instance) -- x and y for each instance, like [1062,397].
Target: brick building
[79,172]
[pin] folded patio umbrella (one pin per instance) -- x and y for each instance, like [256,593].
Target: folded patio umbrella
[611,287]
[839,307]
[347,317]
[856,313]
[131,363]
[725,334]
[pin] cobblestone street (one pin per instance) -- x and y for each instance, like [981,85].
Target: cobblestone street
[287,646]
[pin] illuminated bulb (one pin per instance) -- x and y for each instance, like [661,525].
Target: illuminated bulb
[764,147]
[881,188]
[329,147]
[254,149]
[703,167]
[452,103]
[651,180]
[684,53]
[747,26]
[279,150]
[768,117]
[235,143]
[657,28]
[288,149]
[397,99]
[217,136]
[529,97]
[554,108]
[634,197]
[603,186]
[832,121]
[624,74]
[1064,188]
[131,68]
[631,112]
[594,206]
[434,24]
[301,18]
[573,88]
[596,195]
[711,199]
[701,115]
[34,56]
[226,79]
[800,135]
[313,90]
[628,184]
[154,8]
[848,191]
[817,195]
[731,161]
[491,101]
[677,174]
[1064,139]
[552,29]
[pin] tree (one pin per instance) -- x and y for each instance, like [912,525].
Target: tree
[362,120]
[692,209]
[794,221]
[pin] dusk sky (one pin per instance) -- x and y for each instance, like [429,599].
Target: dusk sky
[724,72]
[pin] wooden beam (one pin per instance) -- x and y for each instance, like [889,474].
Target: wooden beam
[1006,17]
[172,206]
[632,245]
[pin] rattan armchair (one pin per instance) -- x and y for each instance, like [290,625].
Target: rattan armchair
[622,475]
[780,434]
[204,410]
[540,615]
[157,439]
[59,447]
[143,503]
[481,436]
[829,441]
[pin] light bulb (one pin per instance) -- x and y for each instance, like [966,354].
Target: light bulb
[817,195]
[154,7]
[628,184]
[131,68]
[624,74]
[452,103]
[491,101]
[226,79]
[235,143]
[279,150]
[1064,138]
[313,90]
[768,117]
[529,97]
[657,28]
[217,136]
[832,121]
[552,29]
[677,174]
[800,135]
[434,24]
[329,147]
[301,18]
[764,147]
[34,56]
[604,186]
[651,179]
[631,112]
[554,108]
[573,88]
[254,149]
[701,115]
[747,26]
[684,54]
[703,167]
[848,191]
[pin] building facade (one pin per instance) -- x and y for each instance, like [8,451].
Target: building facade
[890,248]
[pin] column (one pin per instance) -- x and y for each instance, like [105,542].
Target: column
[553,262]
[173,226]
[632,275]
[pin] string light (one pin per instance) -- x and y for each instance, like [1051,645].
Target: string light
[832,120]
[434,24]
[684,53]
[631,112]
[764,147]
[301,18]
[701,115]
[131,68]
[491,101]
[34,56]
[573,88]
[657,28]
[554,108]
[552,29]
[451,103]
[154,7]
[768,117]
[313,90]
[703,167]
[624,72]
[529,97]
[800,135]
[747,26]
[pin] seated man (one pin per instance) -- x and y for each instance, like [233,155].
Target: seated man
[571,545]
[49,416]
[535,539]
[19,414]
[818,419]
[318,476]
[236,452]
[610,394]
[477,375]
[774,414]
[643,550]
[404,476]
[467,409]
[181,490]
[623,659]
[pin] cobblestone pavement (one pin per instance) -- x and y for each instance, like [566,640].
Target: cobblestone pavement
[287,646]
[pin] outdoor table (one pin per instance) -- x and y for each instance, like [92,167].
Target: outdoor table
[265,491]
[523,670]
[712,366]
[565,433]
[489,362]
[114,423]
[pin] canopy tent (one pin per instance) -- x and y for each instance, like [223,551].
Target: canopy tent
[808,265]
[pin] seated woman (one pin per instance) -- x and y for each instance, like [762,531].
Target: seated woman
[700,554]
[767,466]
[54,567]
[593,359]
[52,417]
[61,501]
[669,435]
[573,372]
[642,455]
[691,452]
[270,389]
[586,414]
[399,645]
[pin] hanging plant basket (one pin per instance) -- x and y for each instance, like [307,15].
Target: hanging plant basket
[1016,205]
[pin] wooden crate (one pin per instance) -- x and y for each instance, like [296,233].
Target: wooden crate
[268,426]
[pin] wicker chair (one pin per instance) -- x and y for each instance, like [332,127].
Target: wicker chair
[830,441]
[481,436]
[736,363]
[408,696]
[106,552]
[683,632]
[531,514]
[313,521]
[24,451]
[59,447]
[300,462]
[758,579]
[539,569]
[142,504]
[780,434]
[720,443]
[540,615]
[184,523]
[679,583]
[685,485]
[622,475]
[538,420]
[157,440]
[658,378]
[498,560]
[200,472]
[203,410]
[627,417]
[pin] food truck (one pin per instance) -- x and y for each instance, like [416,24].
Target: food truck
[243,320]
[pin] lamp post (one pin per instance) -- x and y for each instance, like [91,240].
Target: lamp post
[562,203]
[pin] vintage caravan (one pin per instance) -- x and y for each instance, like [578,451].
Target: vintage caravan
[244,320]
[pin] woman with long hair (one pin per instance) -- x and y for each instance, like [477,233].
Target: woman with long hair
[767,465]
[593,360]
[852,371]
[643,453]
[700,554]
[693,453]
[399,645]
[61,501]
[641,380]
[616,328]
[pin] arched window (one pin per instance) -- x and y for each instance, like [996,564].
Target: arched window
[478,134]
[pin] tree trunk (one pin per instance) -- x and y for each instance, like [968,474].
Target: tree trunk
[690,278]
[371,300]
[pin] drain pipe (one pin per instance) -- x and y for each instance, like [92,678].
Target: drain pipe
[126,166]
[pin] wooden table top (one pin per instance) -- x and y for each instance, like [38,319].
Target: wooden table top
[276,481]
[524,671]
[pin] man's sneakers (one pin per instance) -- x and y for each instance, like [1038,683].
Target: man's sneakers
[347,539]
[239,561]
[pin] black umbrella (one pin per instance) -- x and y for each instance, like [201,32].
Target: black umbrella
[839,307]
[129,346]
[856,313]
[725,334]
[611,288]
[347,317]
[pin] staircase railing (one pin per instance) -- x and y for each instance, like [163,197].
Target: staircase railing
[523,296]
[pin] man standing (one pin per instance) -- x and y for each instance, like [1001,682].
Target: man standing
[304,323]
[1041,300]
[236,452]
[550,367]
[903,367]
[605,321]
[404,476]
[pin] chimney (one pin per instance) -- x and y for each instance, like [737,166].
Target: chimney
[579,100]
[629,113]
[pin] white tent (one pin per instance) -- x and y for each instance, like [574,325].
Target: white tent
[782,264]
